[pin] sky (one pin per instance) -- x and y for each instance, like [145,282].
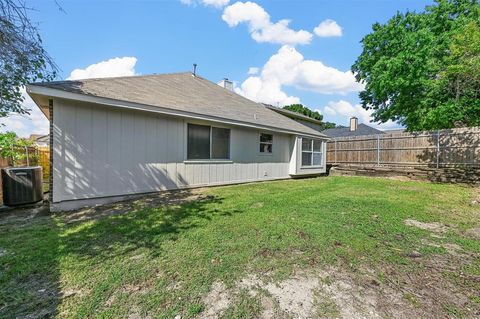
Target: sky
[277,52]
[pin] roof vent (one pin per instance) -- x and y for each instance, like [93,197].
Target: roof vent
[226,84]
[353,124]
[194,69]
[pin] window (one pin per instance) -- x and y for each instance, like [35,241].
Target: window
[206,142]
[311,152]
[266,143]
[220,143]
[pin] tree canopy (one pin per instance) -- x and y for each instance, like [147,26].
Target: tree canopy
[12,147]
[423,69]
[22,56]
[300,108]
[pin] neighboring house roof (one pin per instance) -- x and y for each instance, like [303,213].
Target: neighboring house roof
[34,137]
[43,138]
[362,129]
[292,114]
[182,92]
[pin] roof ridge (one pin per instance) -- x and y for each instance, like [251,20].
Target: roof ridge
[116,77]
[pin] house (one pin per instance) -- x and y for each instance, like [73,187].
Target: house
[40,140]
[354,129]
[114,137]
[303,119]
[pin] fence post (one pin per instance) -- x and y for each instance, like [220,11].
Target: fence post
[335,152]
[378,150]
[438,148]
[26,154]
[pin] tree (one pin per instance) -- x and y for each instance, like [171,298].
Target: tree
[13,147]
[421,69]
[300,108]
[459,82]
[22,57]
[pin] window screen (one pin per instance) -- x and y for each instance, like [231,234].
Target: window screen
[306,152]
[306,159]
[206,142]
[220,143]
[198,144]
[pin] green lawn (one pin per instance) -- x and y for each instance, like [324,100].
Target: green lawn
[159,258]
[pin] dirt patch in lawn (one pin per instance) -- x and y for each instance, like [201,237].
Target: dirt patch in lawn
[476,196]
[473,232]
[23,216]
[336,293]
[294,296]
[452,249]
[217,300]
[167,198]
[433,227]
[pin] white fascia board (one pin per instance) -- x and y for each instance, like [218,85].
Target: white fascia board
[323,138]
[40,90]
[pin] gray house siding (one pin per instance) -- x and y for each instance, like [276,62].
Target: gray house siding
[101,151]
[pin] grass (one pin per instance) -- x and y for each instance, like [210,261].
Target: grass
[161,260]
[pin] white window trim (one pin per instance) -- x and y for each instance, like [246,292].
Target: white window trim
[312,152]
[260,143]
[208,160]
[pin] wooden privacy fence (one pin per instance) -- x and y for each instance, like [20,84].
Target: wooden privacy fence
[32,156]
[443,148]
[44,162]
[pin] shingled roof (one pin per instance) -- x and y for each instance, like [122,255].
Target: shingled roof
[182,92]
[292,114]
[361,130]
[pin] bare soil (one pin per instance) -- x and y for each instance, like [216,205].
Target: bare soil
[167,198]
[384,292]
[336,293]
[433,227]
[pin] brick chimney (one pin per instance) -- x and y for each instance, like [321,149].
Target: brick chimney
[353,124]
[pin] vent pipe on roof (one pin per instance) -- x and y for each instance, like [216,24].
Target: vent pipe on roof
[194,69]
[226,84]
[353,123]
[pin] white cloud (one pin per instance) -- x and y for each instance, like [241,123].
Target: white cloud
[289,68]
[37,123]
[253,70]
[213,3]
[216,3]
[24,125]
[260,26]
[328,28]
[345,110]
[114,67]
[257,89]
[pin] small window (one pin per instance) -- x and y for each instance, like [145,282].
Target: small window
[312,154]
[266,143]
[206,142]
